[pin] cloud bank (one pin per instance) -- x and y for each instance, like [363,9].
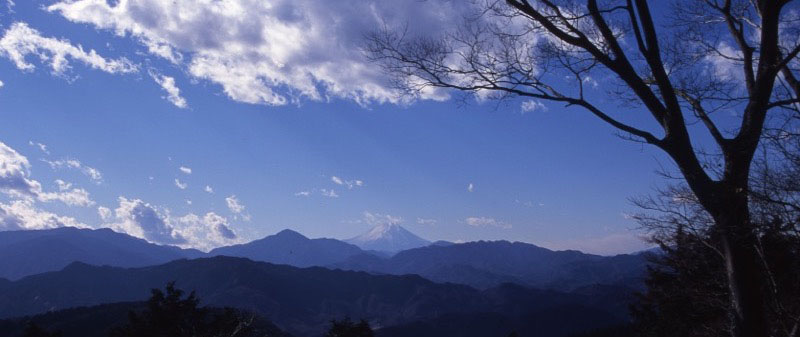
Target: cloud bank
[143,220]
[268,52]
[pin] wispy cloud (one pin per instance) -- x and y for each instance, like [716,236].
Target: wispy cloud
[234,205]
[328,193]
[91,172]
[349,183]
[237,208]
[376,219]
[167,84]
[68,195]
[181,184]
[423,221]
[484,222]
[532,105]
[15,181]
[42,147]
[185,170]
[21,41]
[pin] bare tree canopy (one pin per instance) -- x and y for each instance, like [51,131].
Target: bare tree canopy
[681,65]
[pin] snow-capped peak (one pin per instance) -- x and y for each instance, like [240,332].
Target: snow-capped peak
[388,238]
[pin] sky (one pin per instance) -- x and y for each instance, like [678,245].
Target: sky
[207,123]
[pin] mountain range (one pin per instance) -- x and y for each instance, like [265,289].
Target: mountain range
[303,300]
[485,264]
[481,264]
[25,253]
[292,248]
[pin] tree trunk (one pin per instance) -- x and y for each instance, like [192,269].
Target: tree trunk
[738,243]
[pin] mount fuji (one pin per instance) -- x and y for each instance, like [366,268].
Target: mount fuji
[390,238]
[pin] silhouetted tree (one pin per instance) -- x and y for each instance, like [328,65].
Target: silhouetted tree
[686,285]
[348,328]
[33,330]
[171,314]
[707,56]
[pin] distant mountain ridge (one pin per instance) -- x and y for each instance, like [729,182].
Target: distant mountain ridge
[481,264]
[390,238]
[31,252]
[292,248]
[485,264]
[302,301]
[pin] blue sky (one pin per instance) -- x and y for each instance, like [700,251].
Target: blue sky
[328,160]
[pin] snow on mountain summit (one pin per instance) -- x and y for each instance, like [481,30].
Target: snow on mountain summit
[388,238]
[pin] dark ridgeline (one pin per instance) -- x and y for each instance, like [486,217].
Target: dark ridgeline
[168,313]
[303,301]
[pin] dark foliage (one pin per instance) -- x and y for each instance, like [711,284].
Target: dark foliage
[617,331]
[171,315]
[348,328]
[33,330]
[687,293]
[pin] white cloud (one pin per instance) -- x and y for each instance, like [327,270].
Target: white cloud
[23,215]
[104,213]
[21,41]
[376,219]
[2,84]
[208,189]
[180,184]
[14,174]
[140,219]
[186,170]
[484,222]
[234,205]
[143,220]
[423,221]
[470,187]
[206,232]
[41,146]
[328,193]
[302,194]
[268,52]
[68,195]
[349,183]
[91,172]
[15,181]
[63,185]
[532,105]
[167,83]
